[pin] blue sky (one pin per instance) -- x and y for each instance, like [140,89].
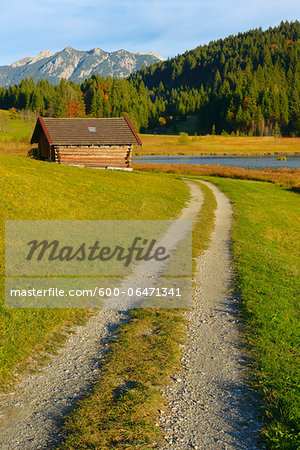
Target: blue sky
[168,27]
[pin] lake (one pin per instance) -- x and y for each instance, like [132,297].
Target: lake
[246,162]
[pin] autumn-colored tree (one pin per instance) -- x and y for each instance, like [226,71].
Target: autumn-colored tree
[273,47]
[162,121]
[74,109]
[13,114]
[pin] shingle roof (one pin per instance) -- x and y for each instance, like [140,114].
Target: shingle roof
[109,131]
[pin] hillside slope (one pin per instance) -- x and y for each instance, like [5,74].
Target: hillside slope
[244,84]
[249,82]
[34,190]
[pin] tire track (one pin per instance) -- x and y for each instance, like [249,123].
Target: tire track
[31,415]
[210,404]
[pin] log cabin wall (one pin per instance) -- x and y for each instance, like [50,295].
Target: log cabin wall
[94,142]
[44,147]
[94,156]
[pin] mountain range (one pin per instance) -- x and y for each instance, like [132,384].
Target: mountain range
[245,84]
[76,65]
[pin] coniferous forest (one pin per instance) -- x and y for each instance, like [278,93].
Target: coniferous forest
[244,84]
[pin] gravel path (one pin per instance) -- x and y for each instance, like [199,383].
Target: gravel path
[30,416]
[210,406]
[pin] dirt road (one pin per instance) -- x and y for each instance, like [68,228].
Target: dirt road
[210,405]
[30,416]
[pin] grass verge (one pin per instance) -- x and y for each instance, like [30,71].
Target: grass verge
[124,406]
[34,190]
[266,249]
[283,177]
[14,148]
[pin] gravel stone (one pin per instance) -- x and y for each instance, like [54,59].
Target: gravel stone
[216,409]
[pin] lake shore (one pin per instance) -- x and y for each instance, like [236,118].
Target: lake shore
[255,162]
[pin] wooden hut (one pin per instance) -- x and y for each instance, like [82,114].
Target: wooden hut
[105,142]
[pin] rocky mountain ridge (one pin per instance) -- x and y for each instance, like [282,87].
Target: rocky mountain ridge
[76,65]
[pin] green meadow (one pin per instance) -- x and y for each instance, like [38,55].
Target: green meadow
[13,129]
[266,251]
[34,190]
[265,245]
[143,357]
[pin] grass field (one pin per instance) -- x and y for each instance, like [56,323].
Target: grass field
[266,261]
[215,145]
[266,249]
[14,148]
[14,130]
[15,135]
[39,190]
